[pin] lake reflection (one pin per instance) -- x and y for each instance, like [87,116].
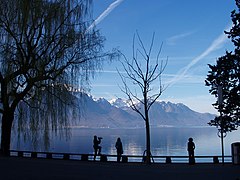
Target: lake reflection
[164,141]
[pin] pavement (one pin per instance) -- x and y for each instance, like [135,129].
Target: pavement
[14,168]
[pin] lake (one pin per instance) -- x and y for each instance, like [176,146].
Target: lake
[165,141]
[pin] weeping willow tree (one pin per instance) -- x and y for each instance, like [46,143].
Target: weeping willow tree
[46,52]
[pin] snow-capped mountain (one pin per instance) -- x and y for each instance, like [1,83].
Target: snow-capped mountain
[119,103]
[117,114]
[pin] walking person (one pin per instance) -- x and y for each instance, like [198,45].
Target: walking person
[119,148]
[191,148]
[97,148]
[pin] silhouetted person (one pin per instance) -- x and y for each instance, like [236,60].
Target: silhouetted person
[97,148]
[119,148]
[190,148]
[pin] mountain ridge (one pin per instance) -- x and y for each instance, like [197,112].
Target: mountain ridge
[100,113]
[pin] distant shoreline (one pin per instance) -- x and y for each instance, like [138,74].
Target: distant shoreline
[163,126]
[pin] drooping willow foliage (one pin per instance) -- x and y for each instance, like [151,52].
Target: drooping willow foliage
[47,55]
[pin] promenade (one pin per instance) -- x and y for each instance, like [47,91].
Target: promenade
[14,168]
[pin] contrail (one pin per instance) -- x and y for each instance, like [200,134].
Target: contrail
[105,13]
[216,44]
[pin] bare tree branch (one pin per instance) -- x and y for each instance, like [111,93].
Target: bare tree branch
[142,77]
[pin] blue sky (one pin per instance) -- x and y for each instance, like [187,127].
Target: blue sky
[192,36]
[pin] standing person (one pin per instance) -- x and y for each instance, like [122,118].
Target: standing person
[190,148]
[96,147]
[119,148]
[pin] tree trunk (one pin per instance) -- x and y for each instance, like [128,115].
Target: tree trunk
[7,120]
[148,158]
[148,144]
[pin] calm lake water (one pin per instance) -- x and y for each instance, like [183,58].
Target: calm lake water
[167,141]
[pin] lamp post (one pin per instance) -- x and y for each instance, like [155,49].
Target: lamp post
[221,131]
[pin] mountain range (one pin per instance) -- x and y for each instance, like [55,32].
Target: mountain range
[100,113]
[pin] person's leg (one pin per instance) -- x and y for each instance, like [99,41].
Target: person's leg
[118,157]
[99,150]
[95,153]
[191,157]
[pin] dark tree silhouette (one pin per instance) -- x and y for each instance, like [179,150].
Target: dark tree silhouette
[142,76]
[46,51]
[225,76]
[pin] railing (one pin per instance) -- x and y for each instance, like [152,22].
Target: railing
[113,158]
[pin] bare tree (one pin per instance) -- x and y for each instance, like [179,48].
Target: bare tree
[46,51]
[142,72]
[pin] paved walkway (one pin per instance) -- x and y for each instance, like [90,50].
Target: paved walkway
[14,168]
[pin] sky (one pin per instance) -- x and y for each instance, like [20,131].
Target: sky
[192,33]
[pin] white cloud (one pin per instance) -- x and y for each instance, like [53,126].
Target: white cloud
[172,40]
[216,44]
[105,13]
